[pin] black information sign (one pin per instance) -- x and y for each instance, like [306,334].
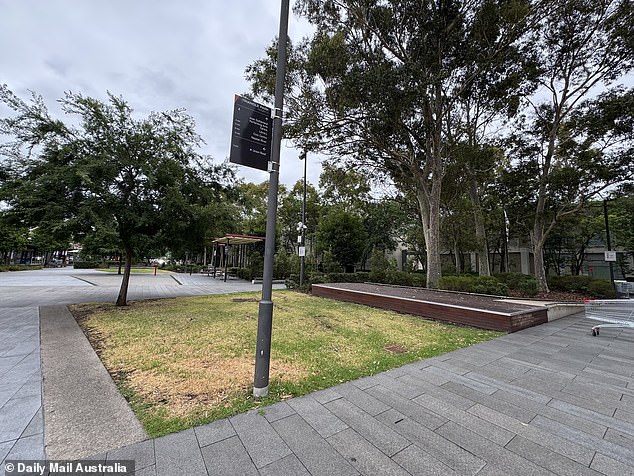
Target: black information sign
[251,134]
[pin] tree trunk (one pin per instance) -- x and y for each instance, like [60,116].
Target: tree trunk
[538,255]
[122,299]
[481,235]
[429,206]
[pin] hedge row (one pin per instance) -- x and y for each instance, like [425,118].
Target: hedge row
[474,284]
[17,267]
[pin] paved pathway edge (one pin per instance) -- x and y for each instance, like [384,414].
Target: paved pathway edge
[84,413]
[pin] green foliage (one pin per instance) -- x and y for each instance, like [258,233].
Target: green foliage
[284,265]
[524,284]
[86,264]
[380,266]
[474,284]
[584,285]
[112,180]
[342,233]
[17,267]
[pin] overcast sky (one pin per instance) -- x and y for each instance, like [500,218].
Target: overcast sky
[157,54]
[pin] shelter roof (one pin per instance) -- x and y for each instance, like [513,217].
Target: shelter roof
[232,239]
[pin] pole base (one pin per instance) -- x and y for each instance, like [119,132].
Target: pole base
[260,392]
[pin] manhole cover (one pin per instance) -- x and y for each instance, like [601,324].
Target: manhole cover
[244,300]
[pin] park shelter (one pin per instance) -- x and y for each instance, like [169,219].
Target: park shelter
[230,250]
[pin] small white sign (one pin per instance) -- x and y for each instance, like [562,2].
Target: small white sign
[302,251]
[610,256]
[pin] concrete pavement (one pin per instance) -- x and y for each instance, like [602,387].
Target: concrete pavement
[21,294]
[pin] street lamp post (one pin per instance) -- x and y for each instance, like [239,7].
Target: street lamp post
[265,309]
[302,243]
[607,238]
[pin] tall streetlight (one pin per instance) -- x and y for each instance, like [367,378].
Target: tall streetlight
[302,231]
[265,310]
[607,238]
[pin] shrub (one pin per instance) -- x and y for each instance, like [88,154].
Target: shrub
[601,289]
[18,267]
[570,284]
[596,288]
[524,284]
[474,284]
[86,264]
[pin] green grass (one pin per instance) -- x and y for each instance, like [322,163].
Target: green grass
[135,270]
[187,361]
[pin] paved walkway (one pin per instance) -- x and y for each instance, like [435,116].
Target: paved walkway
[547,400]
[21,293]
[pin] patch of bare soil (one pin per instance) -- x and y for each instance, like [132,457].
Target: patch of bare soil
[205,381]
[395,349]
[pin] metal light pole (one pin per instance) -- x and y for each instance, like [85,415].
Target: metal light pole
[607,238]
[265,310]
[302,257]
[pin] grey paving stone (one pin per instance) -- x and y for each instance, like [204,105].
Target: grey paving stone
[142,453]
[609,466]
[149,471]
[544,457]
[276,411]
[326,395]
[7,363]
[259,438]
[406,386]
[620,438]
[607,448]
[30,447]
[554,442]
[16,415]
[482,427]
[476,384]
[601,392]
[509,387]
[317,416]
[593,416]
[366,458]
[446,395]
[178,453]
[4,450]
[420,463]
[407,407]
[36,425]
[361,398]
[473,396]
[385,439]
[568,419]
[499,456]
[214,432]
[437,446]
[289,466]
[227,458]
[314,452]
[562,378]
[624,416]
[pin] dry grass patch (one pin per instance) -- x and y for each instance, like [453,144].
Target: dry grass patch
[186,361]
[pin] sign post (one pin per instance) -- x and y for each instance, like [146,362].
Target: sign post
[251,134]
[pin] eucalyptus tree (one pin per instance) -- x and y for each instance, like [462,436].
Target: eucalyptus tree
[570,144]
[381,84]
